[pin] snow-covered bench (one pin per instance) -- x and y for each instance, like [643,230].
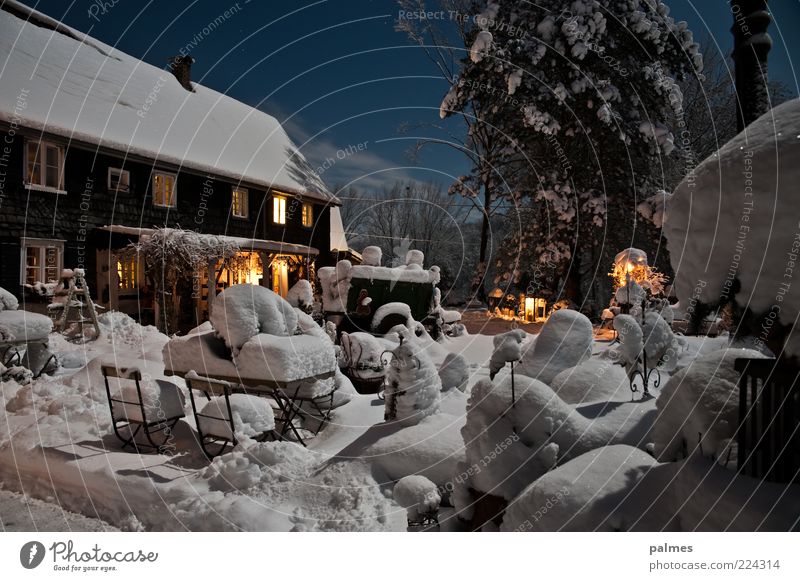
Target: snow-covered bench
[296,371]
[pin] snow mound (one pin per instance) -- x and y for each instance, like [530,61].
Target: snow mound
[418,495]
[372,256]
[604,489]
[161,399]
[433,448]
[698,408]
[454,372]
[8,302]
[252,416]
[286,358]
[734,219]
[592,380]
[24,325]
[244,310]
[249,464]
[565,341]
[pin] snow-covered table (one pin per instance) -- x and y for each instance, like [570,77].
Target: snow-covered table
[30,331]
[292,371]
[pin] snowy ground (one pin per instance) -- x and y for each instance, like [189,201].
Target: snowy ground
[56,444]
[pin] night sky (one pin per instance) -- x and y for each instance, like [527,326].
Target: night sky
[336,73]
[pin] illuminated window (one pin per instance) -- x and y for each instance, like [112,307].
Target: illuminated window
[45,165]
[239,206]
[42,260]
[308,215]
[164,193]
[279,209]
[119,180]
[127,274]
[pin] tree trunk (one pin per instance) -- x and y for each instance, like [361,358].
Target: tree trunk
[751,43]
[478,288]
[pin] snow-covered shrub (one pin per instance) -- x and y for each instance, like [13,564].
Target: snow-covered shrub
[243,310]
[8,302]
[415,259]
[418,495]
[660,342]
[507,349]
[565,341]
[631,341]
[454,372]
[699,406]
[413,387]
[301,296]
[608,489]
[592,380]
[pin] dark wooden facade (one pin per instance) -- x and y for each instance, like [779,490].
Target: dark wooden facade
[76,216]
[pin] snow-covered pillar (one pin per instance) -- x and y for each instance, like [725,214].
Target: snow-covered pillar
[751,43]
[212,284]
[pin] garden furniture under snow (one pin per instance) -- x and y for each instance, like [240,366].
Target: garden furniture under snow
[296,372]
[24,340]
[142,408]
[220,420]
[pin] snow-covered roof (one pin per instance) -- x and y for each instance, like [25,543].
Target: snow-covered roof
[243,243]
[60,81]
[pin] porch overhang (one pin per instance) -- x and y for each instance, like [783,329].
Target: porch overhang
[255,244]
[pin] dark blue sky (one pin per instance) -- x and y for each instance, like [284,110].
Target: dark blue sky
[335,71]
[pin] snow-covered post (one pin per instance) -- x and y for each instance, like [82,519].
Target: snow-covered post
[507,349]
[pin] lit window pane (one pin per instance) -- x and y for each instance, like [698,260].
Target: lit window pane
[279,210]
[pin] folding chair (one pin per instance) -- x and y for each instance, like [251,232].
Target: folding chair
[217,432]
[134,414]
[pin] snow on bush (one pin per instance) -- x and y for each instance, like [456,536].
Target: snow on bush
[608,489]
[720,240]
[301,295]
[244,310]
[660,343]
[481,45]
[565,340]
[413,387]
[252,416]
[418,495]
[543,431]
[593,380]
[433,448]
[454,372]
[630,340]
[698,408]
[8,302]
[507,349]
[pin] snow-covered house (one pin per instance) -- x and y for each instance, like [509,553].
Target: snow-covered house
[99,147]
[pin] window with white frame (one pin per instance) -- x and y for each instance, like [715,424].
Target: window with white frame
[239,202]
[44,165]
[308,215]
[164,190]
[42,260]
[279,209]
[119,180]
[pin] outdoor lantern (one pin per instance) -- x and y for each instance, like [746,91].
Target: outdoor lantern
[535,310]
[630,265]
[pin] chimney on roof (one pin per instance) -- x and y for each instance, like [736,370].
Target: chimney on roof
[181,67]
